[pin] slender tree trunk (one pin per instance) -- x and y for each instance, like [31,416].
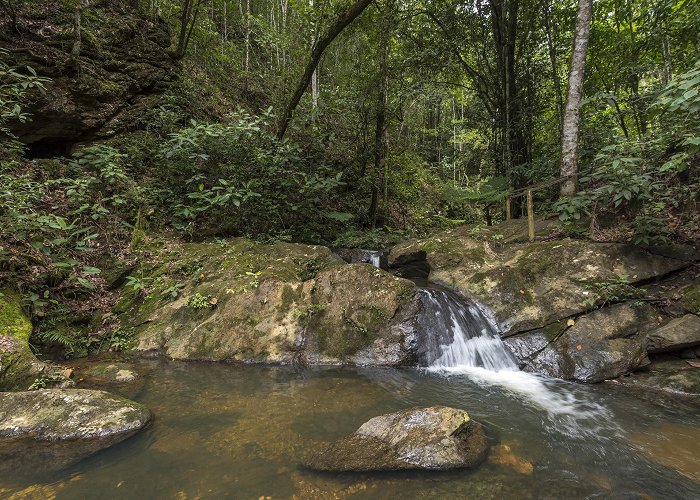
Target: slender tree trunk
[668,61]
[314,76]
[78,34]
[380,146]
[551,46]
[323,42]
[188,20]
[570,127]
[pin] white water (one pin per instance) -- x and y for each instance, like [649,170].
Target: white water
[477,351]
[373,257]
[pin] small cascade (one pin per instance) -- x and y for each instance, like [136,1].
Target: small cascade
[367,256]
[458,338]
[459,335]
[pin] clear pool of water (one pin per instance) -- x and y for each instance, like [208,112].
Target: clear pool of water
[224,431]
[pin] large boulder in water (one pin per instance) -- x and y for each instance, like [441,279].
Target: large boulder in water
[281,303]
[604,344]
[433,438]
[57,427]
[532,285]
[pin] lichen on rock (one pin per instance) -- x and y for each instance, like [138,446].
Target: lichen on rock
[278,303]
[432,438]
[57,427]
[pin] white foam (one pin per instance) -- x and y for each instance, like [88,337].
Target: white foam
[569,413]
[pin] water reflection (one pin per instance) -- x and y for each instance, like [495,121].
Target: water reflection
[239,432]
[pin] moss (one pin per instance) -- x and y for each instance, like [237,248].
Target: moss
[691,299]
[13,322]
[289,297]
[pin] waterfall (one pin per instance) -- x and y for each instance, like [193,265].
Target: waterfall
[458,338]
[459,335]
[367,256]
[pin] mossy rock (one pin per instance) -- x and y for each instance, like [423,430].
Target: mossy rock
[429,439]
[54,428]
[691,298]
[18,365]
[113,86]
[531,285]
[249,302]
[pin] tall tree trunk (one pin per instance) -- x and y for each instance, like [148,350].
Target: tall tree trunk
[188,18]
[551,47]
[668,61]
[380,145]
[569,139]
[323,42]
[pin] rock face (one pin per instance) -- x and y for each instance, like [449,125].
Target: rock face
[538,290]
[281,303]
[433,438]
[57,427]
[123,68]
[604,344]
[18,365]
[679,333]
[532,285]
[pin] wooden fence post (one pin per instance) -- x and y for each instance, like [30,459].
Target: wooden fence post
[507,207]
[530,216]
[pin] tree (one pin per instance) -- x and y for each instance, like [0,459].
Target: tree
[345,19]
[570,126]
[189,11]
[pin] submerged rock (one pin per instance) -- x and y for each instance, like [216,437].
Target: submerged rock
[432,438]
[678,334]
[57,427]
[502,454]
[282,303]
[673,377]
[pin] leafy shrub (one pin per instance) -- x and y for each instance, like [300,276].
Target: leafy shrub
[646,181]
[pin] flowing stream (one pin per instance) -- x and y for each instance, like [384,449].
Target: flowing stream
[462,338]
[225,431]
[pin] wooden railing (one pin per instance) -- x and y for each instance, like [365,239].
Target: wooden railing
[527,192]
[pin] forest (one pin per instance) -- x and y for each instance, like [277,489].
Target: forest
[186,180]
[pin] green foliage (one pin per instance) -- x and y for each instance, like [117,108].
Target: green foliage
[139,284]
[17,87]
[45,381]
[173,291]
[199,302]
[122,339]
[309,268]
[613,290]
[643,181]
